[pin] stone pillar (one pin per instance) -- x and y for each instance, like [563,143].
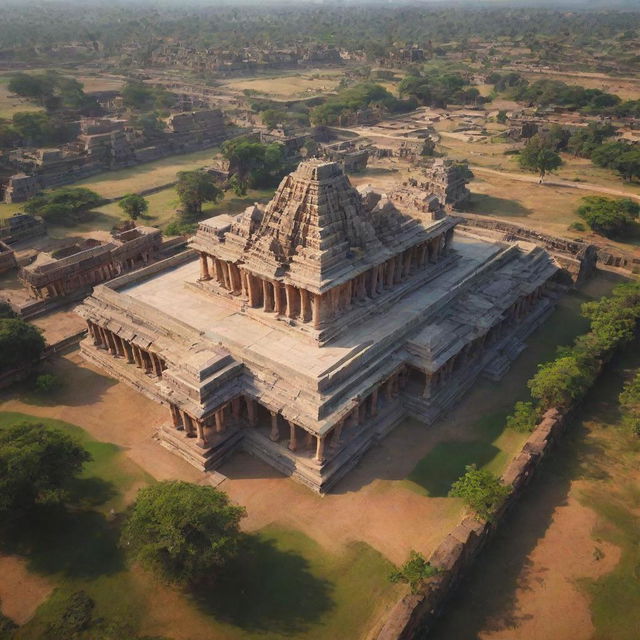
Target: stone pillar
[187,421]
[426,394]
[373,293]
[157,367]
[267,295]
[243,283]
[226,282]
[275,427]
[293,444]
[236,408]
[202,440]
[304,305]
[111,342]
[320,449]
[391,273]
[424,254]
[316,310]
[308,441]
[278,298]
[129,351]
[175,417]
[219,271]
[291,300]
[204,267]
[219,415]
[251,287]
[252,414]
[362,286]
[436,248]
[137,354]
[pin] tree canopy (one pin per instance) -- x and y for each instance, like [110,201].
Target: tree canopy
[539,157]
[480,490]
[255,164]
[134,205]
[414,572]
[63,206]
[610,217]
[182,531]
[21,344]
[37,465]
[195,188]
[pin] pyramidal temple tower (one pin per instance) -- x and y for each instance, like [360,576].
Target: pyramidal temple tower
[305,330]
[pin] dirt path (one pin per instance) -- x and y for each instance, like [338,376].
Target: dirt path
[21,592]
[585,186]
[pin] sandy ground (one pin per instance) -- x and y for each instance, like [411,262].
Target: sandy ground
[21,592]
[547,603]
[59,324]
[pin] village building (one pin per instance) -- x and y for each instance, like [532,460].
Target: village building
[7,258]
[305,330]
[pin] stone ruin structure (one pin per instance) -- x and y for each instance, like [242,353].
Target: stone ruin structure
[21,226]
[447,180]
[306,329]
[7,258]
[74,270]
[352,158]
[105,144]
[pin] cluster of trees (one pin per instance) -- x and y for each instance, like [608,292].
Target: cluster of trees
[630,405]
[53,91]
[609,216]
[35,128]
[254,165]
[439,89]
[360,96]
[139,96]
[563,381]
[64,206]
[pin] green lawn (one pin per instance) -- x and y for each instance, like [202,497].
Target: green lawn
[487,443]
[283,585]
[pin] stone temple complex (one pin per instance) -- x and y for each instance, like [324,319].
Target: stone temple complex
[305,330]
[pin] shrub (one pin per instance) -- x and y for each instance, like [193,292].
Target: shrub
[47,383]
[480,490]
[608,216]
[414,572]
[21,344]
[630,405]
[524,417]
[577,226]
[183,532]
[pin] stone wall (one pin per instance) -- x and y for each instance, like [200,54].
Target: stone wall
[415,614]
[578,259]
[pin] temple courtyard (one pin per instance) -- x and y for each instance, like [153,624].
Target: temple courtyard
[392,502]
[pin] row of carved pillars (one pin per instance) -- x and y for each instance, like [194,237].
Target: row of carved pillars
[148,361]
[271,295]
[60,288]
[470,352]
[376,280]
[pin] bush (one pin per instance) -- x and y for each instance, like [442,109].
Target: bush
[21,344]
[480,490]
[608,216]
[577,226]
[76,617]
[183,532]
[64,206]
[524,417]
[414,572]
[630,405]
[177,228]
[47,383]
[37,465]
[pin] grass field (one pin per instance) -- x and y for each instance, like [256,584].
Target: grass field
[283,585]
[287,86]
[486,442]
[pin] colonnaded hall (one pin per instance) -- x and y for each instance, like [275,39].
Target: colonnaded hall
[305,330]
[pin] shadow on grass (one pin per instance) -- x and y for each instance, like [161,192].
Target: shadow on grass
[446,462]
[491,205]
[58,540]
[266,589]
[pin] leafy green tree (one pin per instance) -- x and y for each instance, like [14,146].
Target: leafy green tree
[47,383]
[149,124]
[37,465]
[195,188]
[607,154]
[41,129]
[608,216]
[524,417]
[481,491]
[627,164]
[134,205]
[254,164]
[182,531]
[560,383]
[415,572]
[6,311]
[502,117]
[21,344]
[64,206]
[537,156]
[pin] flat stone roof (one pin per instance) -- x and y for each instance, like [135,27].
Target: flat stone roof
[257,342]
